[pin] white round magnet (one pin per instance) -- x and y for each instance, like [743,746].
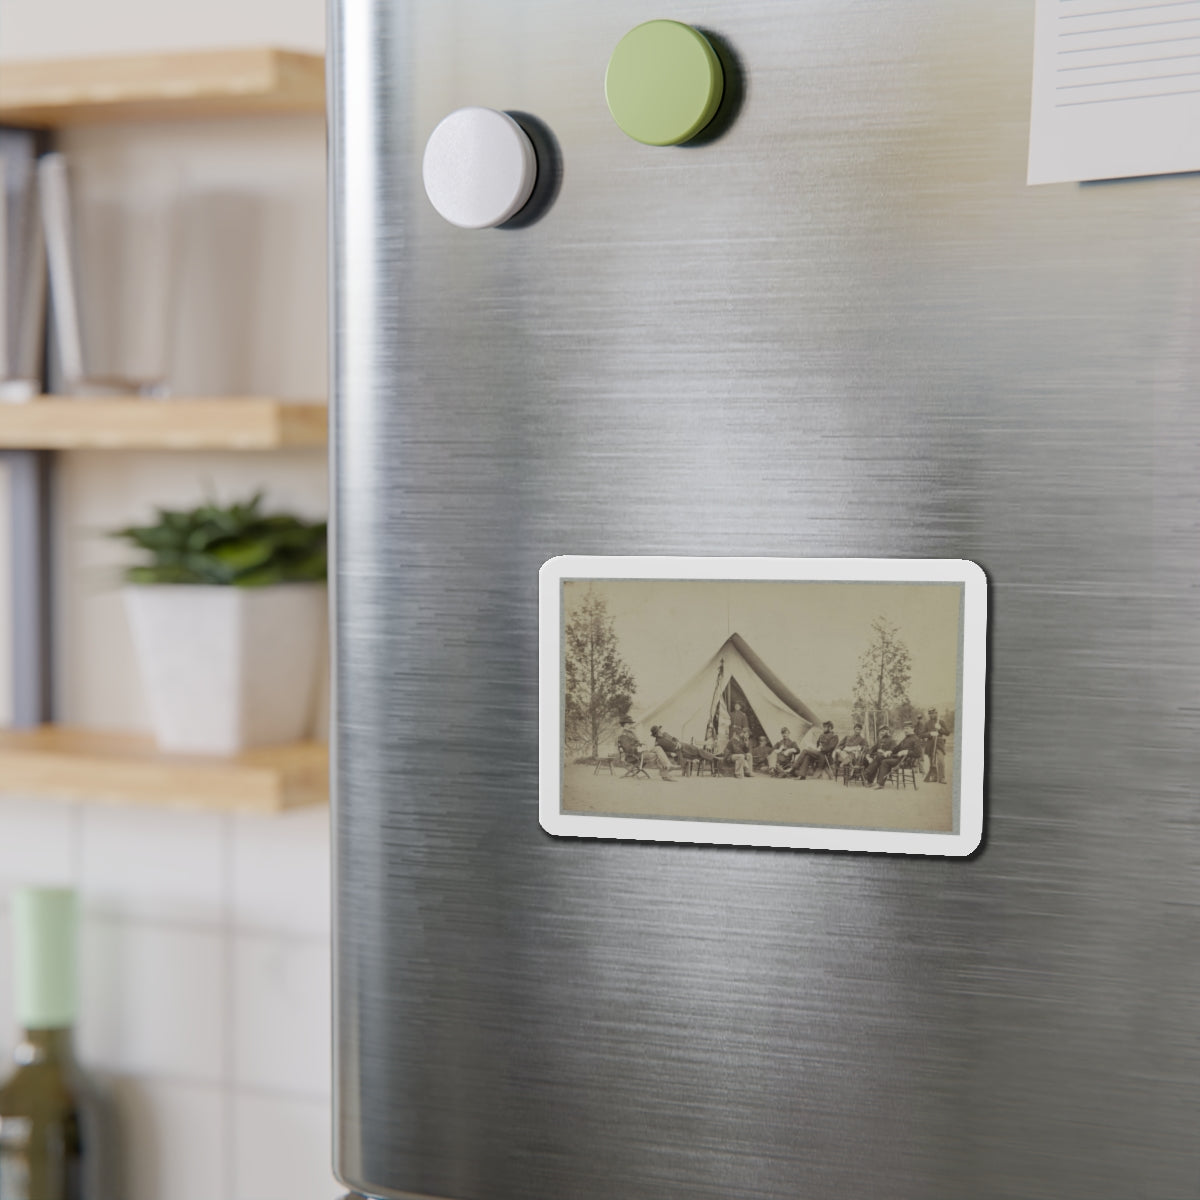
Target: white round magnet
[479,168]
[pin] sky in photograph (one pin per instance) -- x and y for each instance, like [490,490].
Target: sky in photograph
[810,634]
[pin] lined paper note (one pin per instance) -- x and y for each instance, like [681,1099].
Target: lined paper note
[1116,89]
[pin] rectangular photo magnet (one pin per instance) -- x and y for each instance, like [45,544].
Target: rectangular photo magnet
[819,704]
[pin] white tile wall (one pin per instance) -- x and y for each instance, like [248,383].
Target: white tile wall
[281,873]
[205,979]
[171,1141]
[154,864]
[156,1000]
[282,1015]
[282,1150]
[38,843]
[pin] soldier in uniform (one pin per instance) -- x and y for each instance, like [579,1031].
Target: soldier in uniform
[878,754]
[674,748]
[909,747]
[783,755]
[760,755]
[935,748]
[633,751]
[852,747]
[809,744]
[737,753]
[818,757]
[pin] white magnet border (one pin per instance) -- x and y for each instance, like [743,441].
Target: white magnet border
[969,732]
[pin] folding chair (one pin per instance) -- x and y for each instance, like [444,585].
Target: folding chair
[634,765]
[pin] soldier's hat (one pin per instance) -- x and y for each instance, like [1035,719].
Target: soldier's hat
[828,725]
[626,720]
[934,711]
[653,728]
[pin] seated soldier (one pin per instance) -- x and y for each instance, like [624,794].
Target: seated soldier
[760,754]
[664,740]
[783,756]
[808,745]
[638,756]
[908,749]
[852,748]
[878,754]
[628,745]
[681,752]
[817,758]
[737,753]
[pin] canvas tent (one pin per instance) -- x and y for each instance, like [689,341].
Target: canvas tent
[735,673]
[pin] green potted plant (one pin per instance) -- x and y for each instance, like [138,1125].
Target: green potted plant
[228,622]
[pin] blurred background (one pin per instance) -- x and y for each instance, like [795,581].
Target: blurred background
[204,954]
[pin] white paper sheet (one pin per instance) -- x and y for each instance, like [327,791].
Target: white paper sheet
[1116,89]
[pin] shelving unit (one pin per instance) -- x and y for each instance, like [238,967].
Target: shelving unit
[43,759]
[148,87]
[227,423]
[80,764]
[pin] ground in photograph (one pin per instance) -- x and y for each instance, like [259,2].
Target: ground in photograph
[821,802]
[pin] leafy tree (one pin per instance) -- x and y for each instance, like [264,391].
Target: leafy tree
[884,671]
[599,684]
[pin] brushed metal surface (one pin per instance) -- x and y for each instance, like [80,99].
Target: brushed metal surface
[846,327]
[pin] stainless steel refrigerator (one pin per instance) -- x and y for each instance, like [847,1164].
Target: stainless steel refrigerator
[836,323]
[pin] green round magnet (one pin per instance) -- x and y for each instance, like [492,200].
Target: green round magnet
[664,83]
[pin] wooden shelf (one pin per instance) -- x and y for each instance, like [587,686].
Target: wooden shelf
[215,83]
[229,423]
[78,764]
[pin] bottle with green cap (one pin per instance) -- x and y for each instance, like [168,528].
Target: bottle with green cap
[44,1151]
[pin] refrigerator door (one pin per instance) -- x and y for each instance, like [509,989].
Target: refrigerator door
[843,327]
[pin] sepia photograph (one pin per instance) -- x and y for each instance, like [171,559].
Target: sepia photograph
[805,703]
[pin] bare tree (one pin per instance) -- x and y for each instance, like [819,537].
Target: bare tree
[599,685]
[884,671]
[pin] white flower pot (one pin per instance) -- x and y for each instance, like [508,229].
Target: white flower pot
[227,668]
